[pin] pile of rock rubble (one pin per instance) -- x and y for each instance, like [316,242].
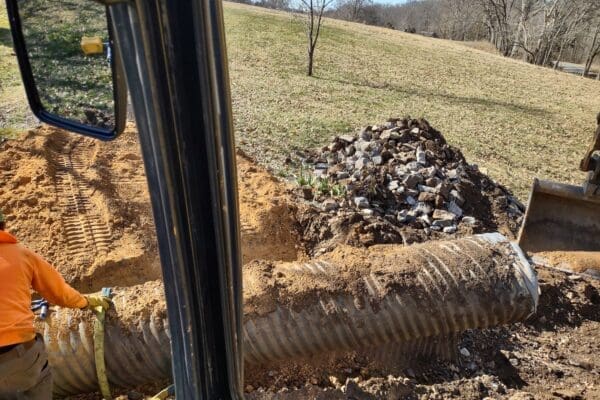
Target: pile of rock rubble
[403,174]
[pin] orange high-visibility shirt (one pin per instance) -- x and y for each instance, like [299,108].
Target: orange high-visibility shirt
[20,271]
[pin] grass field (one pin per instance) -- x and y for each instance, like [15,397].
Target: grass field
[14,115]
[516,120]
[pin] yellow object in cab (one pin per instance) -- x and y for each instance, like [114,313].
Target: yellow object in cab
[92,45]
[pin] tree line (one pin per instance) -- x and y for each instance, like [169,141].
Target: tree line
[540,32]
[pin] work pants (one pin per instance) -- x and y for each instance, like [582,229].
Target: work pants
[25,373]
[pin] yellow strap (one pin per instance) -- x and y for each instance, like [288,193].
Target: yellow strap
[99,352]
[163,394]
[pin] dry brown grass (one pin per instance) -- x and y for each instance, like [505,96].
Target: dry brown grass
[515,119]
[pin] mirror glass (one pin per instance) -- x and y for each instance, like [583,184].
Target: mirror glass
[70,54]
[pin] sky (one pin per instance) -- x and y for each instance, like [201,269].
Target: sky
[390,1]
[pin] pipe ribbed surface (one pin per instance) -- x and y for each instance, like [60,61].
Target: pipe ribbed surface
[441,301]
[444,299]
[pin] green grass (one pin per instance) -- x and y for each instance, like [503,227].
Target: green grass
[13,111]
[513,119]
[68,81]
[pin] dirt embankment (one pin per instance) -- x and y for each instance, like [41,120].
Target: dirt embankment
[84,205]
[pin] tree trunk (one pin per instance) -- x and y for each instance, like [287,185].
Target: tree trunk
[311,55]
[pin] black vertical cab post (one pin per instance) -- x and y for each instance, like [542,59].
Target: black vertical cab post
[175,63]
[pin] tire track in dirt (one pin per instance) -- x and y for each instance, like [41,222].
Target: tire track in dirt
[86,231]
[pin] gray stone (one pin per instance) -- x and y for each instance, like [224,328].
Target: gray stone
[350,150]
[456,197]
[360,163]
[412,166]
[342,175]
[451,174]
[415,131]
[428,189]
[361,202]
[464,352]
[469,220]
[411,200]
[455,209]
[363,146]
[411,192]
[426,219]
[366,134]
[450,229]
[367,212]
[421,156]
[377,160]
[393,185]
[348,138]
[321,165]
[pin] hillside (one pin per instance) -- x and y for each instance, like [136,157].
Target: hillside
[515,120]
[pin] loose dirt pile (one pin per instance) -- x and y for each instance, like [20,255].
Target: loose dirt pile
[82,204]
[399,182]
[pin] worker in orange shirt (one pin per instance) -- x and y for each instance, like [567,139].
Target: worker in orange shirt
[24,371]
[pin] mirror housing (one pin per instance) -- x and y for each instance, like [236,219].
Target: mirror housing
[92,126]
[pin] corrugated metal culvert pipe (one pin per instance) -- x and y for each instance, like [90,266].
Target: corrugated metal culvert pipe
[400,295]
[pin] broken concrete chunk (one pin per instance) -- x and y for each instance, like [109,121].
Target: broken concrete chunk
[456,197]
[428,189]
[421,156]
[393,185]
[469,220]
[455,209]
[443,215]
[426,197]
[348,138]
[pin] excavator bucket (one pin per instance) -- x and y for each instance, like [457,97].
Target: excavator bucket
[560,217]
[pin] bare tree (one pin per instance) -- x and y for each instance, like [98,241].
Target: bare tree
[594,50]
[313,10]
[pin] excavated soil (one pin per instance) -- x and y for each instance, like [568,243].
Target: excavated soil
[84,205]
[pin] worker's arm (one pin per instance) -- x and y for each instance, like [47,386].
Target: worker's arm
[51,285]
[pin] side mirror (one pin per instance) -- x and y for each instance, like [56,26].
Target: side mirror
[70,69]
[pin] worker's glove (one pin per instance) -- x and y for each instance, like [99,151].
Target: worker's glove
[96,300]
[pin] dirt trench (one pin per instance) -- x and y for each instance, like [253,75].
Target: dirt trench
[84,205]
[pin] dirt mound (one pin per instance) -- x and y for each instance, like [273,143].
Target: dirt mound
[399,182]
[267,216]
[84,205]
